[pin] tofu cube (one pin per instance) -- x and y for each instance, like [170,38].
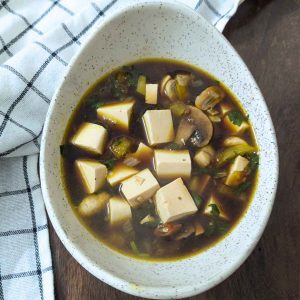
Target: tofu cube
[143,153]
[139,188]
[237,171]
[151,93]
[119,173]
[204,156]
[93,204]
[174,202]
[119,211]
[90,137]
[235,129]
[93,174]
[117,114]
[208,210]
[158,126]
[171,164]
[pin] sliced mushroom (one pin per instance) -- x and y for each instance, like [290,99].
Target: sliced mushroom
[170,90]
[163,83]
[194,119]
[185,232]
[168,229]
[233,141]
[209,97]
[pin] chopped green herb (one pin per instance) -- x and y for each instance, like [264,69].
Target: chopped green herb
[236,117]
[214,210]
[197,199]
[218,82]
[254,161]
[241,188]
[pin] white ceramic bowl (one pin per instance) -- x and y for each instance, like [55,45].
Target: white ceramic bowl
[173,31]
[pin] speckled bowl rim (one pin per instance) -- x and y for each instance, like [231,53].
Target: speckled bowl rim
[105,276]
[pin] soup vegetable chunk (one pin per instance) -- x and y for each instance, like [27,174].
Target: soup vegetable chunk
[159,160]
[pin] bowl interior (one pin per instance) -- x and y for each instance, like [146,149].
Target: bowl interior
[162,31]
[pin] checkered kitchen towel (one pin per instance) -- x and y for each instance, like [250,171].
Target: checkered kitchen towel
[37,40]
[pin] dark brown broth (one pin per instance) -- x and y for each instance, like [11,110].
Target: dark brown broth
[159,248]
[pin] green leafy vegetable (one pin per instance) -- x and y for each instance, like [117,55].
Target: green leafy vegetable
[236,117]
[233,151]
[197,199]
[241,188]
[216,227]
[254,161]
[120,146]
[214,210]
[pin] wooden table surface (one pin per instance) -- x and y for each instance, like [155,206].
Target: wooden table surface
[267,36]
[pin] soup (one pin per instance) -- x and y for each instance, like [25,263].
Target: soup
[159,161]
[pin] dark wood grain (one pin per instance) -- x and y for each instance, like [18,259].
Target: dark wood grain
[266,35]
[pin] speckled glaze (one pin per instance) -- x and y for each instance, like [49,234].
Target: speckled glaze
[174,31]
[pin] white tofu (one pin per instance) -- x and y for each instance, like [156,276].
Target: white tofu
[139,188]
[119,173]
[171,164]
[158,126]
[92,173]
[151,93]
[119,211]
[174,202]
[204,156]
[214,201]
[117,114]
[143,153]
[90,137]
[235,129]
[237,170]
[93,204]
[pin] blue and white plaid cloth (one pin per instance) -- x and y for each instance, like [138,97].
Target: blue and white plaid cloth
[37,40]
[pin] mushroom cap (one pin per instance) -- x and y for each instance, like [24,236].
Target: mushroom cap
[194,119]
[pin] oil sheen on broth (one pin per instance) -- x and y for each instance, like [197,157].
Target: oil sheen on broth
[159,160]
